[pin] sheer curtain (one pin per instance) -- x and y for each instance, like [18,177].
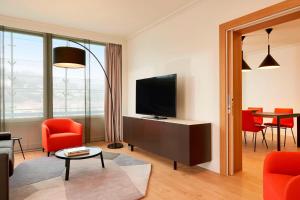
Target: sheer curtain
[113,55]
[2,111]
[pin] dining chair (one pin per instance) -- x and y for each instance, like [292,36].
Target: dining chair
[248,125]
[257,120]
[284,123]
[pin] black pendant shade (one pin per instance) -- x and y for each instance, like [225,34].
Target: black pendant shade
[245,66]
[68,57]
[269,62]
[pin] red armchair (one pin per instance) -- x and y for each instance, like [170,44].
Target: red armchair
[281,177]
[60,133]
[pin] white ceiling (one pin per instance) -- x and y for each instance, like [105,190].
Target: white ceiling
[282,35]
[115,17]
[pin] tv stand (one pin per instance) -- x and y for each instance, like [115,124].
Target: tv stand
[182,141]
[155,117]
[160,117]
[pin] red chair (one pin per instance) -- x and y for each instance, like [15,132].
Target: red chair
[257,120]
[281,176]
[284,123]
[60,133]
[248,125]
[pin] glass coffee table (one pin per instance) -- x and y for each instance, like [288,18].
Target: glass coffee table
[94,151]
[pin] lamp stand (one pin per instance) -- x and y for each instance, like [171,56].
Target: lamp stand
[114,144]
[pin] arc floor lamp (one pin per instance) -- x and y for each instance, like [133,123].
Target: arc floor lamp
[71,57]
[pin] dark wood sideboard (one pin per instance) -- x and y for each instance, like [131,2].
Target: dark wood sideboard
[182,141]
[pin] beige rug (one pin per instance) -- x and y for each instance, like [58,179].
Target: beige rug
[123,178]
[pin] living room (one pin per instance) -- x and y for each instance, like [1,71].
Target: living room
[114,46]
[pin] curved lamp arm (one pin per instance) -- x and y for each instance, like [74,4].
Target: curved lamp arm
[114,144]
[106,76]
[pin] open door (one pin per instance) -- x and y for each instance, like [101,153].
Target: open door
[231,76]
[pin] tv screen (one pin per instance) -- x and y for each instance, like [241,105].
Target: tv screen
[156,96]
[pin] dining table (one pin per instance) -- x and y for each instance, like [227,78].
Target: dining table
[280,116]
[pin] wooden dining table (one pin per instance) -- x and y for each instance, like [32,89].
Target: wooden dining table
[280,116]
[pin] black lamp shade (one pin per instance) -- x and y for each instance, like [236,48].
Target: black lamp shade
[68,57]
[245,66]
[269,63]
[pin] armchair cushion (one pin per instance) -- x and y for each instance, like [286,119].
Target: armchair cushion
[281,177]
[10,154]
[6,163]
[4,171]
[7,147]
[287,163]
[292,190]
[5,136]
[6,144]
[274,185]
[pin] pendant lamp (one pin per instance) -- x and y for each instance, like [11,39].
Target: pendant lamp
[269,62]
[245,66]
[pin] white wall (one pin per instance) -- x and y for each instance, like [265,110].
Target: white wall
[274,87]
[187,43]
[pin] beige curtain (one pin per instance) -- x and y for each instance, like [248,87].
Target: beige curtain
[114,71]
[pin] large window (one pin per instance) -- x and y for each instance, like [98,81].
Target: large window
[23,75]
[77,90]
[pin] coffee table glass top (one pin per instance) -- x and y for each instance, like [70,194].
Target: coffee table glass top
[94,151]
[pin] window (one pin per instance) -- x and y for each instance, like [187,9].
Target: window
[74,89]
[23,75]
[97,80]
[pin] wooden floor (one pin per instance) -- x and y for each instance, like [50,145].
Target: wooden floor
[197,183]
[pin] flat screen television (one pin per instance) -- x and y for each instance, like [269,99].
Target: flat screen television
[157,96]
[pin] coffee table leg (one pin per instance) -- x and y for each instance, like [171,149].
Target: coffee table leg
[67,169]
[101,156]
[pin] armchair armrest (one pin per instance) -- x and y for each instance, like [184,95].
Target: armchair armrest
[4,176]
[76,128]
[292,189]
[45,131]
[287,163]
[5,135]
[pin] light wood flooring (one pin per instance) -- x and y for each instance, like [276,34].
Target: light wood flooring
[197,183]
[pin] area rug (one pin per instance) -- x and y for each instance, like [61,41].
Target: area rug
[123,178]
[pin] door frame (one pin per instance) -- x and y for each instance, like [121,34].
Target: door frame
[231,76]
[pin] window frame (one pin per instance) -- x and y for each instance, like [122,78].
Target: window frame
[33,33]
[85,41]
[48,71]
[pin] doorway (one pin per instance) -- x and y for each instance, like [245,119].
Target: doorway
[231,76]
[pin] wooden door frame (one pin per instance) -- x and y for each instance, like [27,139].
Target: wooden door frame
[231,76]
